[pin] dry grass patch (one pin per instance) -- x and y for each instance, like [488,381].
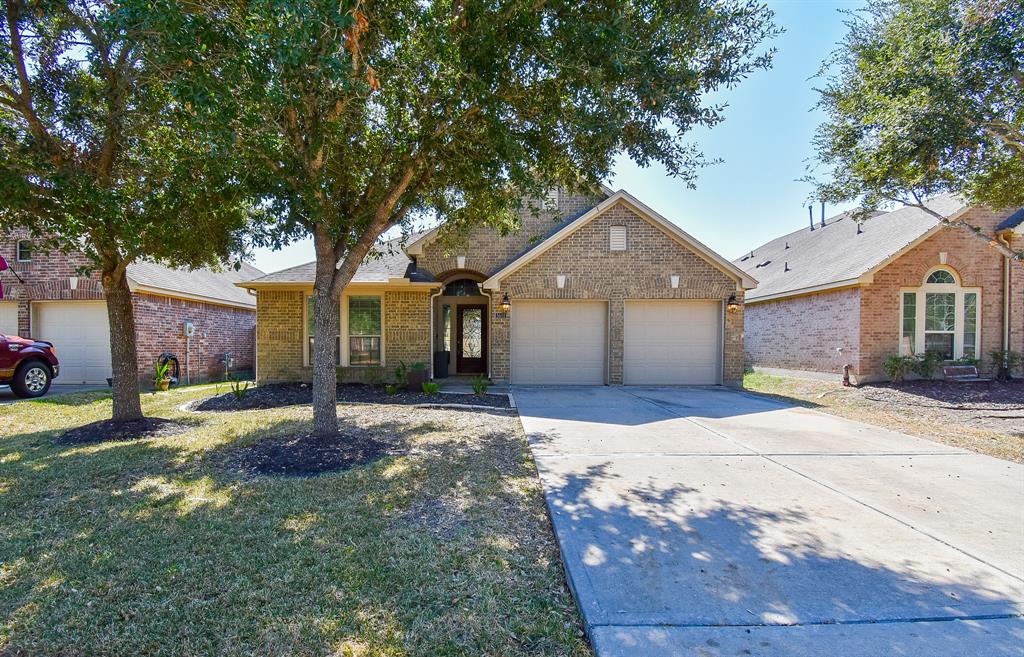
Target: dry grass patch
[983,417]
[159,546]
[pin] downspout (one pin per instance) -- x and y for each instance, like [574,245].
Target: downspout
[1006,294]
[430,338]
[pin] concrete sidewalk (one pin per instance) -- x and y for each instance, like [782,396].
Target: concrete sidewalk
[712,522]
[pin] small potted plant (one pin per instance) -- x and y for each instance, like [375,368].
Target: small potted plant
[161,376]
[416,377]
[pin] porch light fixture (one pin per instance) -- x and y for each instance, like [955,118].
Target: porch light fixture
[674,279]
[505,304]
[560,281]
[732,305]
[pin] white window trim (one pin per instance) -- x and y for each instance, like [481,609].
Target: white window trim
[345,360]
[17,251]
[958,317]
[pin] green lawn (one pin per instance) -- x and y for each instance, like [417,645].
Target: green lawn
[159,547]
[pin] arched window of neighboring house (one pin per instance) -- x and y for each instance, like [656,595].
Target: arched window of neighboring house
[941,316]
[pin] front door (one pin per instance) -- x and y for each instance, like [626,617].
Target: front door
[471,340]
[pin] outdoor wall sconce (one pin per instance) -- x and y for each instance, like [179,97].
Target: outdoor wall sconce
[505,304]
[560,281]
[674,278]
[461,260]
[732,305]
[73,282]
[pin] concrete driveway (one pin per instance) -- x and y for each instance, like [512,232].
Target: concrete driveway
[712,522]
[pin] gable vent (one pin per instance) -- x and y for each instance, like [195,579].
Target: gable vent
[617,238]
[552,198]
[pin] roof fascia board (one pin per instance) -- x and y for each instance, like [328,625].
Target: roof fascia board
[391,283]
[175,294]
[744,279]
[804,291]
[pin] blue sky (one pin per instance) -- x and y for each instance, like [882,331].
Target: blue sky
[765,142]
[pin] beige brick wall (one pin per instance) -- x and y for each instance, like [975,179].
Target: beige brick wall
[487,251]
[805,333]
[641,272]
[280,336]
[406,328]
[978,265]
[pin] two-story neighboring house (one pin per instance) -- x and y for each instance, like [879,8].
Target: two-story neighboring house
[53,302]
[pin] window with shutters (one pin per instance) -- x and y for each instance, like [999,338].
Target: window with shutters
[617,238]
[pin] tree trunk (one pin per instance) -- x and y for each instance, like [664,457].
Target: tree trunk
[123,356]
[326,314]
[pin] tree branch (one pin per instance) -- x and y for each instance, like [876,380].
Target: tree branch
[25,95]
[976,231]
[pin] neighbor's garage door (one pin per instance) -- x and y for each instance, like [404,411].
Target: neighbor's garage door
[672,342]
[559,342]
[8,318]
[79,331]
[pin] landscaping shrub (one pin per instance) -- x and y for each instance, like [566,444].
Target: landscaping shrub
[898,367]
[480,384]
[925,364]
[1005,362]
[430,388]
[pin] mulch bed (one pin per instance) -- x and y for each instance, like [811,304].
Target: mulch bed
[278,395]
[112,431]
[984,404]
[308,454]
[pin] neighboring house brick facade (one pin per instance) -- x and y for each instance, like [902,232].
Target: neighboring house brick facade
[164,299]
[802,329]
[438,277]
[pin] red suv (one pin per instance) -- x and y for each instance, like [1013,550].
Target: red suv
[28,366]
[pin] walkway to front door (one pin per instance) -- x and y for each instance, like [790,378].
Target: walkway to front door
[712,522]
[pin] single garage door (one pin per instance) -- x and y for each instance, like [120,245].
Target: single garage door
[559,342]
[8,318]
[80,332]
[672,342]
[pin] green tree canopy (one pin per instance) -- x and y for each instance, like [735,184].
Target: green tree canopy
[925,97]
[361,115]
[97,156]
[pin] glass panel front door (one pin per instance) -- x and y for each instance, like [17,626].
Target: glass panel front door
[471,354]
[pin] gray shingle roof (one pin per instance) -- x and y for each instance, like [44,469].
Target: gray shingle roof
[1011,222]
[204,282]
[387,260]
[837,252]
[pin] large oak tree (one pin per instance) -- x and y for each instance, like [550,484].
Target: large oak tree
[97,156]
[925,97]
[364,114]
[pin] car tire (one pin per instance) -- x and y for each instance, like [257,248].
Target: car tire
[32,380]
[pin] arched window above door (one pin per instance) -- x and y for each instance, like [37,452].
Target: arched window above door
[941,316]
[462,287]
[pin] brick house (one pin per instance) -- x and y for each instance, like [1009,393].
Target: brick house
[841,293]
[55,303]
[597,289]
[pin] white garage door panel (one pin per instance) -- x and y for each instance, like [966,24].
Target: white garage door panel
[80,332]
[559,342]
[672,343]
[8,318]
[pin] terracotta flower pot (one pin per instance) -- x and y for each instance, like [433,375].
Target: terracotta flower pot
[163,385]
[414,380]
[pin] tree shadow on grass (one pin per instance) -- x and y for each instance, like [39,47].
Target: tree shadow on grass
[646,553]
[153,547]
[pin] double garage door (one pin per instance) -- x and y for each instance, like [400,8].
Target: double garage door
[665,342]
[80,332]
